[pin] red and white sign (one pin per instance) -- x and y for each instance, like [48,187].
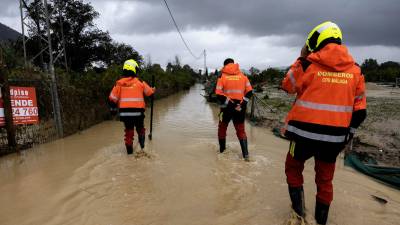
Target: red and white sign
[24,106]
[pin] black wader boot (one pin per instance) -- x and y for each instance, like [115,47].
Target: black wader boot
[321,212]
[245,151]
[222,145]
[129,149]
[141,141]
[297,198]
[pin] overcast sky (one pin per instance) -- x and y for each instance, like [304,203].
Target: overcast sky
[256,33]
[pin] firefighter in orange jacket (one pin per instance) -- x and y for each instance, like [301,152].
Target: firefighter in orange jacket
[128,96]
[233,91]
[330,105]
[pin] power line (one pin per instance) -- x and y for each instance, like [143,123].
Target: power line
[180,34]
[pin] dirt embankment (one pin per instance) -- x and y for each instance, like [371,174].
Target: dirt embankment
[377,138]
[379,135]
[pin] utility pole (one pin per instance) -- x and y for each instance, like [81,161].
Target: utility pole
[63,41]
[26,22]
[253,101]
[23,31]
[205,63]
[25,18]
[56,100]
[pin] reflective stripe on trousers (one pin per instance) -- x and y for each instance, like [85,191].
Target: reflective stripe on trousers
[130,114]
[326,107]
[316,136]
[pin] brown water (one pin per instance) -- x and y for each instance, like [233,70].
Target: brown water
[87,178]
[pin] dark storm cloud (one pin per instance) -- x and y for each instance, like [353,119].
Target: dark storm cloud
[363,22]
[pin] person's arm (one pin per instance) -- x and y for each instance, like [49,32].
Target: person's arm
[292,78]
[113,99]
[147,90]
[248,93]
[359,107]
[219,91]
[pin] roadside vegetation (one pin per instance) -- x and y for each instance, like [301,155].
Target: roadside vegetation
[384,72]
[85,77]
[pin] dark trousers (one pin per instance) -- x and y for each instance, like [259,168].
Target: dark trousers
[228,114]
[130,124]
[325,159]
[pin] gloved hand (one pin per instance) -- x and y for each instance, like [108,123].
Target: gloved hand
[304,51]
[113,111]
[113,108]
[238,107]
[231,104]
[349,137]
[243,104]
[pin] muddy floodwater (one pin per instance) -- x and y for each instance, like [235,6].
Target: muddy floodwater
[87,178]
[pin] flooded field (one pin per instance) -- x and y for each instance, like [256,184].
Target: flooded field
[87,178]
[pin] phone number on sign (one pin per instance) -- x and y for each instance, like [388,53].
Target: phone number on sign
[25,111]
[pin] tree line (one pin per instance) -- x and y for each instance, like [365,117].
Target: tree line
[92,54]
[94,64]
[384,72]
[72,25]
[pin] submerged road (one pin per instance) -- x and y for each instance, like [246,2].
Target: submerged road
[87,178]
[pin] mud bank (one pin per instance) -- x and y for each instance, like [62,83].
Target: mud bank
[377,138]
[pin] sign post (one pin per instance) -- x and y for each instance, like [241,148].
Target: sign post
[152,108]
[5,108]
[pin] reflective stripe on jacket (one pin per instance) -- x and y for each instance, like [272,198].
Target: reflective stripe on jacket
[328,91]
[233,84]
[129,92]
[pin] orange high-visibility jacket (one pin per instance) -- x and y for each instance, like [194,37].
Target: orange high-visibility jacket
[233,84]
[129,92]
[330,88]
